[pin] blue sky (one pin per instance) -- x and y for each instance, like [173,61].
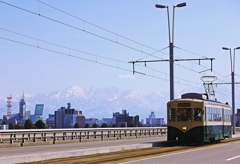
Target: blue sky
[202,27]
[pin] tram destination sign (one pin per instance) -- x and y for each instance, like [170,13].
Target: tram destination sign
[184,104]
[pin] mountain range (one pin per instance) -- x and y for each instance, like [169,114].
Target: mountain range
[94,102]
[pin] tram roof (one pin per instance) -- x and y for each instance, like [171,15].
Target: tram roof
[199,97]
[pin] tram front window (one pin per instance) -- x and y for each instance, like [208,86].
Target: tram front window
[184,114]
[197,114]
[172,114]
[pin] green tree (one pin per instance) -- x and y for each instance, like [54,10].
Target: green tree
[40,125]
[4,123]
[122,125]
[28,124]
[95,125]
[17,126]
[76,125]
[87,126]
[131,124]
[114,125]
[11,126]
[104,125]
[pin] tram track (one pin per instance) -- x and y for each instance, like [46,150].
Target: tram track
[127,155]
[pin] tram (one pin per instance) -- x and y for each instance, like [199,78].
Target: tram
[194,118]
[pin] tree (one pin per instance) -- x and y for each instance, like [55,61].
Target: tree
[95,125]
[17,126]
[4,123]
[76,125]
[122,125]
[114,125]
[10,126]
[40,125]
[28,124]
[87,126]
[104,125]
[131,124]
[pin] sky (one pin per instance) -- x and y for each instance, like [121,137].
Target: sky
[112,33]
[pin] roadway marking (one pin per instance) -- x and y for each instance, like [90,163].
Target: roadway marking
[177,153]
[229,159]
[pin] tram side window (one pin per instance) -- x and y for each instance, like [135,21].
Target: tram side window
[172,114]
[214,114]
[209,114]
[184,114]
[197,114]
[227,115]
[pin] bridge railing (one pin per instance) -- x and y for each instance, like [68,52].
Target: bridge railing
[31,136]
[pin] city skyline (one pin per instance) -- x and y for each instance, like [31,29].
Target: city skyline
[200,27]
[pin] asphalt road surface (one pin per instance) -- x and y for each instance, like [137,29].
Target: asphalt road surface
[228,153]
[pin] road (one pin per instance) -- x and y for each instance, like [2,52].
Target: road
[215,154]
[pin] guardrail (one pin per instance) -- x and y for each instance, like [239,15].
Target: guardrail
[52,136]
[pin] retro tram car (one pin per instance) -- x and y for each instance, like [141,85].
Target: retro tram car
[195,119]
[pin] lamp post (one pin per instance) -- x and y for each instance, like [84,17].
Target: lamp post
[232,61]
[171,46]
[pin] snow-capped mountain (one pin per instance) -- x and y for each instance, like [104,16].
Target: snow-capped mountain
[94,102]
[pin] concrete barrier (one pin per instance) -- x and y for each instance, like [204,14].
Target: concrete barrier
[30,137]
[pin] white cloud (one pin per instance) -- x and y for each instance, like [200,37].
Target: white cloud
[126,76]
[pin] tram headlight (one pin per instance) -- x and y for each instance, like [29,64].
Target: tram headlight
[184,128]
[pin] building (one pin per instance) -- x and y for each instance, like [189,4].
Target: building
[18,118]
[237,118]
[80,119]
[152,121]
[91,121]
[37,114]
[124,118]
[66,117]
[50,123]
[108,121]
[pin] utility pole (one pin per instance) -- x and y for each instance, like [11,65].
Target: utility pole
[232,61]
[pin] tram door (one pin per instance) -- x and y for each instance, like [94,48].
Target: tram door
[205,126]
[223,123]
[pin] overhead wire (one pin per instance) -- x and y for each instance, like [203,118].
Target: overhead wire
[96,34]
[93,61]
[89,32]
[98,56]
[104,29]
[152,54]
[76,28]
[156,51]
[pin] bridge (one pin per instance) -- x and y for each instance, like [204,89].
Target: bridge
[19,146]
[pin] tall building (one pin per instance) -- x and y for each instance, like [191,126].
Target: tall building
[37,114]
[22,108]
[153,121]
[124,118]
[59,118]
[66,117]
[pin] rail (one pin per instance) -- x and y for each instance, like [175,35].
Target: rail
[23,137]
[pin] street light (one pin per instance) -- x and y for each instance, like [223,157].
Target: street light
[233,84]
[171,56]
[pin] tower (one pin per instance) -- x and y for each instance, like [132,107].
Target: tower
[9,105]
[22,108]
